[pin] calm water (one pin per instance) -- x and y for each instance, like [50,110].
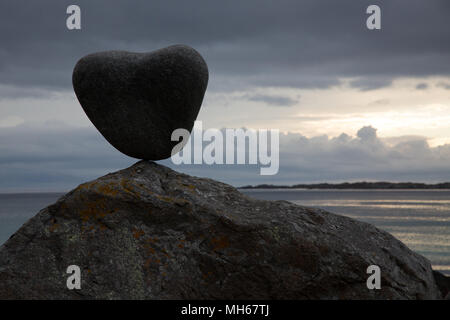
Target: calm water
[419,218]
[16,209]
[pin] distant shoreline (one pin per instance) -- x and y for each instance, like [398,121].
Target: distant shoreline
[355,185]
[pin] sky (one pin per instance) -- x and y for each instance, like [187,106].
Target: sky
[351,104]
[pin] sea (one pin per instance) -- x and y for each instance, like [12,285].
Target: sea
[419,218]
[16,209]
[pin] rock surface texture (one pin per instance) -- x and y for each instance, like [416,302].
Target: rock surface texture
[443,283]
[148,232]
[136,100]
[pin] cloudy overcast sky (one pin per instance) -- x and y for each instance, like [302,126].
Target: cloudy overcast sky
[352,104]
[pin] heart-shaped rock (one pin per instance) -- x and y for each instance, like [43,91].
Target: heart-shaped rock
[136,100]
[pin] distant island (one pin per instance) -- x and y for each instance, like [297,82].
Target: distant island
[355,185]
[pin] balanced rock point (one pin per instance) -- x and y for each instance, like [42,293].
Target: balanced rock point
[136,100]
[148,232]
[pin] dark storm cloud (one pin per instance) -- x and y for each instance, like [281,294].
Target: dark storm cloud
[371,83]
[272,100]
[14,92]
[260,42]
[422,86]
[54,157]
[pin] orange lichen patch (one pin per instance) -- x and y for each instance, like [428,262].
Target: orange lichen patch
[83,186]
[95,210]
[128,187]
[142,186]
[137,233]
[108,189]
[86,186]
[53,227]
[150,261]
[178,201]
[149,249]
[151,240]
[165,198]
[165,253]
[220,243]
[181,244]
[189,187]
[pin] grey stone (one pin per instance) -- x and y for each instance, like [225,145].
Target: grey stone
[148,232]
[136,100]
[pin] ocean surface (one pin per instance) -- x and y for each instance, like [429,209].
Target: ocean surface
[419,218]
[16,209]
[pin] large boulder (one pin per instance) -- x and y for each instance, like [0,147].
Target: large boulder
[148,232]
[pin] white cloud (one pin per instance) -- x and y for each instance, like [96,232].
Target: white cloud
[343,158]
